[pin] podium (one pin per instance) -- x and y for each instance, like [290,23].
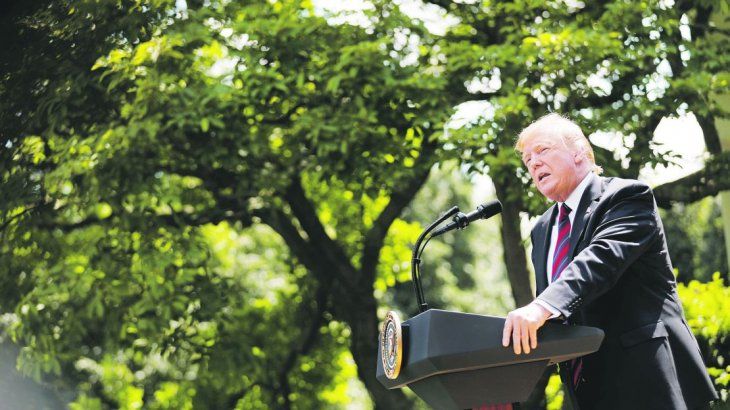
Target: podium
[455,360]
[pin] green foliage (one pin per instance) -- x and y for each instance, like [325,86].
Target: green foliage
[118,280]
[707,307]
[150,149]
[696,240]
[554,394]
[270,317]
[159,353]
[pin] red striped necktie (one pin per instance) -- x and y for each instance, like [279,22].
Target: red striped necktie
[561,259]
[562,246]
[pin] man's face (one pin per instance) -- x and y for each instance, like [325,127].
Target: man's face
[554,167]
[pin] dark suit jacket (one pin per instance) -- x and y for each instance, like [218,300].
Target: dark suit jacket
[621,280]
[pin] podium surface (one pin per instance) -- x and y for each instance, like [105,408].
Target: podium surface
[455,360]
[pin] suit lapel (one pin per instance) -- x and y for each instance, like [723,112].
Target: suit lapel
[587,203]
[542,247]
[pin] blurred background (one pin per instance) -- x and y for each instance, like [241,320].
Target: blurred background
[211,204]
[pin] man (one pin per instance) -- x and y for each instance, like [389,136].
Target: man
[600,258]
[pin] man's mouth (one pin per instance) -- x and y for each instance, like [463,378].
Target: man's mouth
[542,176]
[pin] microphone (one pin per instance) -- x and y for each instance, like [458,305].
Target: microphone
[461,220]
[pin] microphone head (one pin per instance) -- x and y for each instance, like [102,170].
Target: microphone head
[489,209]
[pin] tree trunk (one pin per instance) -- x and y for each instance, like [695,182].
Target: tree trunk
[723,128]
[720,18]
[514,251]
[361,314]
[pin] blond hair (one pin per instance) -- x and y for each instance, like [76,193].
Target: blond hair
[555,126]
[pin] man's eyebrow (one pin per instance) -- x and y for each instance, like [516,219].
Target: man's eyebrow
[536,147]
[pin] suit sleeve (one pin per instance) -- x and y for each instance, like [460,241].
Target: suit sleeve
[624,232]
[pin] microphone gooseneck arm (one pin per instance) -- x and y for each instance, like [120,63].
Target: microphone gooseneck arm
[460,221]
[416,261]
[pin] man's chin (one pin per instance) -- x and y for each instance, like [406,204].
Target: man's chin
[548,193]
[544,190]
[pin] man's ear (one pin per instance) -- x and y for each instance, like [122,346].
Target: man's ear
[580,155]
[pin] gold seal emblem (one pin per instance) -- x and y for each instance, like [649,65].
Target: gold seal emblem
[391,345]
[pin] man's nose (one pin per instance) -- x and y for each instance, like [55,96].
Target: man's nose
[534,163]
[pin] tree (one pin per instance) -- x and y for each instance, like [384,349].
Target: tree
[135,126]
[250,114]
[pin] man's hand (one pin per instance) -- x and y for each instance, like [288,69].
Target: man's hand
[522,325]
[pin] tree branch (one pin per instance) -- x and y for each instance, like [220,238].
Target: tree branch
[642,144]
[28,209]
[709,181]
[401,195]
[320,243]
[284,119]
[709,130]
[304,251]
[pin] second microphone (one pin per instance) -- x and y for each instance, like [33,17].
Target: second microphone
[461,220]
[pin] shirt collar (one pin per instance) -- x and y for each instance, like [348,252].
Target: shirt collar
[574,198]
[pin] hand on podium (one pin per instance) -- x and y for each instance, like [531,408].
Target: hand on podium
[522,325]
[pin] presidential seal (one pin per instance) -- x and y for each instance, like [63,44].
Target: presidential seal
[391,345]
